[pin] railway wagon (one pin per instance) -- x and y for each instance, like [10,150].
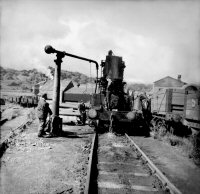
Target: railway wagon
[25,101]
[192,108]
[29,101]
[179,108]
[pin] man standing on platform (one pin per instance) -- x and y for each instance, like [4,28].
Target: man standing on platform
[42,112]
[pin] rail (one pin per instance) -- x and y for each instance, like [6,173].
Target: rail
[5,144]
[165,181]
[90,159]
[168,186]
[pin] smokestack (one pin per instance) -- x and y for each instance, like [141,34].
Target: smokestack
[179,77]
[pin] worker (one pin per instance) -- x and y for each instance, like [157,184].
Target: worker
[82,110]
[146,111]
[43,111]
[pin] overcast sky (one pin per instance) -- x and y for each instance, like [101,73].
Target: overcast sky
[155,38]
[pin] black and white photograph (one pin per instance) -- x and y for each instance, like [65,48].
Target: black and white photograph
[99,96]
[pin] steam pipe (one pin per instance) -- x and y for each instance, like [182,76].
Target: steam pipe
[49,50]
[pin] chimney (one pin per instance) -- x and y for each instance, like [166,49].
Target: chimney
[179,77]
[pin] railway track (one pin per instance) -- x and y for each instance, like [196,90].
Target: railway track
[117,165]
[14,132]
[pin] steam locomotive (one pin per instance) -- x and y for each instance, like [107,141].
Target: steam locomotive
[111,107]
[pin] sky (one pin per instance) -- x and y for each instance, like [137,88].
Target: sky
[155,38]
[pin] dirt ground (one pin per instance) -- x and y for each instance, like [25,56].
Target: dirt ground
[46,165]
[58,165]
[179,169]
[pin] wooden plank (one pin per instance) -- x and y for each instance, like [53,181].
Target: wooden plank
[181,91]
[161,93]
[195,95]
[193,92]
[178,95]
[192,104]
[159,102]
[177,112]
[178,101]
[162,112]
[193,114]
[160,106]
[168,100]
[163,101]
[161,97]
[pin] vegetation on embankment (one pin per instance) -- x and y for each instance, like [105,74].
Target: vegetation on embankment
[12,79]
[188,146]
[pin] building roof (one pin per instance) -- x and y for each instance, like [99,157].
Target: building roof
[82,89]
[169,82]
[64,85]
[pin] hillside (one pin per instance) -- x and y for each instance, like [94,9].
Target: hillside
[23,80]
[12,79]
[140,87]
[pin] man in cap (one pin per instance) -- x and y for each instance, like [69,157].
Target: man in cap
[42,112]
[82,110]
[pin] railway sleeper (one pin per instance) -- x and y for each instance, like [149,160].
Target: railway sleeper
[119,169]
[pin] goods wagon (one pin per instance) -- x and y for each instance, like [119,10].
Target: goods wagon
[25,101]
[177,107]
[192,108]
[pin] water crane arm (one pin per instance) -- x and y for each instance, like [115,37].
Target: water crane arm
[49,49]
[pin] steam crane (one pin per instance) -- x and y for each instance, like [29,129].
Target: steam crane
[111,106]
[57,121]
